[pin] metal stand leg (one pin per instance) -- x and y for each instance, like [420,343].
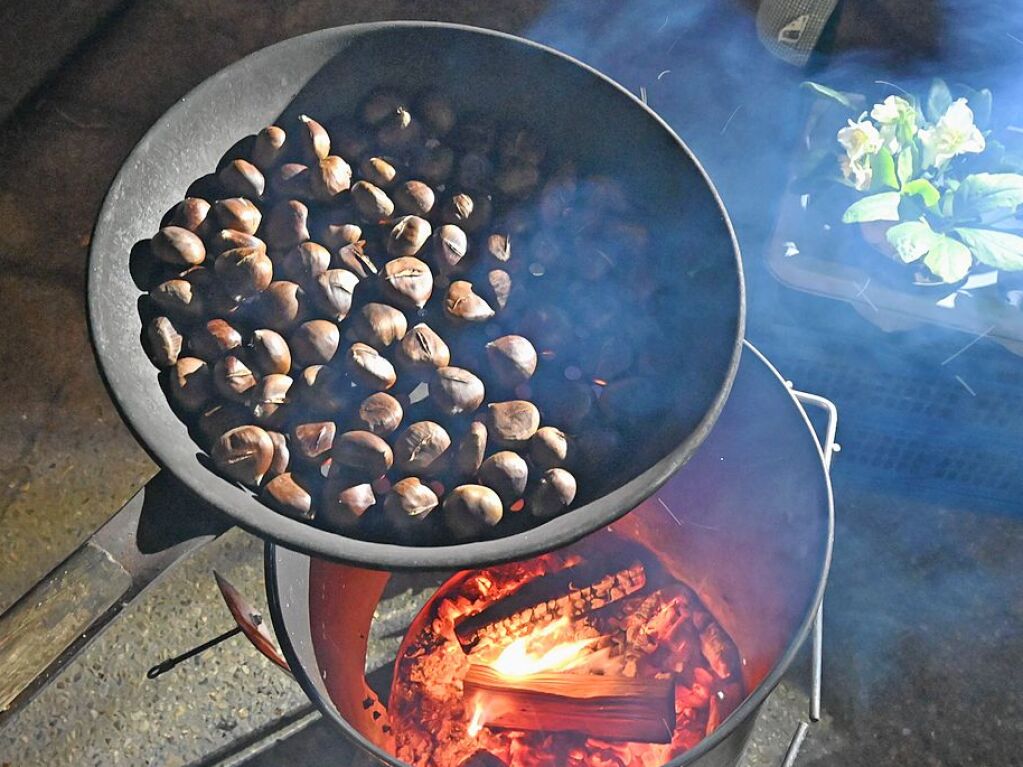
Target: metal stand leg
[828,448]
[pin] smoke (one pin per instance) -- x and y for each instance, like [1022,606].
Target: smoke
[929,412]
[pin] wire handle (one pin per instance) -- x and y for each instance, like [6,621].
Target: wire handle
[164,666]
[828,449]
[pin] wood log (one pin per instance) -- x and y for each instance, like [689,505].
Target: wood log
[718,649]
[607,707]
[572,592]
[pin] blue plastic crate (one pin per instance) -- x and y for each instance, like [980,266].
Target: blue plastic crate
[947,433]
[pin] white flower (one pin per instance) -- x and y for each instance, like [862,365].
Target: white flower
[891,114]
[859,139]
[955,134]
[858,173]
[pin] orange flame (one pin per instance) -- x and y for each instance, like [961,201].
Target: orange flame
[533,654]
[600,382]
[476,723]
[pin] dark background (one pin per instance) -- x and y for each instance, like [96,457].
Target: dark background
[923,640]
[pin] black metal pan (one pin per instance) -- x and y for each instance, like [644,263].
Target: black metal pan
[581,114]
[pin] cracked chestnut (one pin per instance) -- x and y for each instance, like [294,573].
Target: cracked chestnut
[164,341]
[408,503]
[455,390]
[408,236]
[421,351]
[379,413]
[420,447]
[471,449]
[362,453]
[409,281]
[233,378]
[371,369]
[244,454]
[378,325]
[191,383]
[512,423]
[332,292]
[286,495]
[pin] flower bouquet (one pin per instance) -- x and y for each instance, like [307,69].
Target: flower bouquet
[908,207]
[933,184]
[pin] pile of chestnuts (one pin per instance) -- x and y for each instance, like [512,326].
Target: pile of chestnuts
[371,323]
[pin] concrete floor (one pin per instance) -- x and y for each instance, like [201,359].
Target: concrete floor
[924,644]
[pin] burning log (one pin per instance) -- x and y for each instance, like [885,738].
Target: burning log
[549,597]
[607,707]
[718,649]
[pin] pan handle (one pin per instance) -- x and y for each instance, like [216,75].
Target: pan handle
[58,617]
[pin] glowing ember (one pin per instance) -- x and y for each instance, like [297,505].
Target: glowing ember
[600,382]
[648,650]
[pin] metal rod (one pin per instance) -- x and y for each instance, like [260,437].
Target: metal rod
[165,666]
[828,449]
[817,664]
[795,744]
[828,445]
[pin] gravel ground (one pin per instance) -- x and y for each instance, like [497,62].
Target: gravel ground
[103,711]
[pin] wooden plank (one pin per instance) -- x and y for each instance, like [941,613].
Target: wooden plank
[608,707]
[65,611]
[44,622]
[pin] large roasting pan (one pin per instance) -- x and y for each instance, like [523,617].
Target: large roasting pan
[581,113]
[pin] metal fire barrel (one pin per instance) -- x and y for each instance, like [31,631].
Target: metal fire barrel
[748,524]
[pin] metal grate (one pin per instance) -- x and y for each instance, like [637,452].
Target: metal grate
[949,433]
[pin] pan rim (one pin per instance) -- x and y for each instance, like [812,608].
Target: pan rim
[265,522]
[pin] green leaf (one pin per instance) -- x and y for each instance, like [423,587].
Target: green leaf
[882,166]
[988,192]
[905,132]
[998,249]
[994,153]
[906,164]
[876,207]
[938,100]
[1012,159]
[924,189]
[948,259]
[851,101]
[947,203]
[912,208]
[911,240]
